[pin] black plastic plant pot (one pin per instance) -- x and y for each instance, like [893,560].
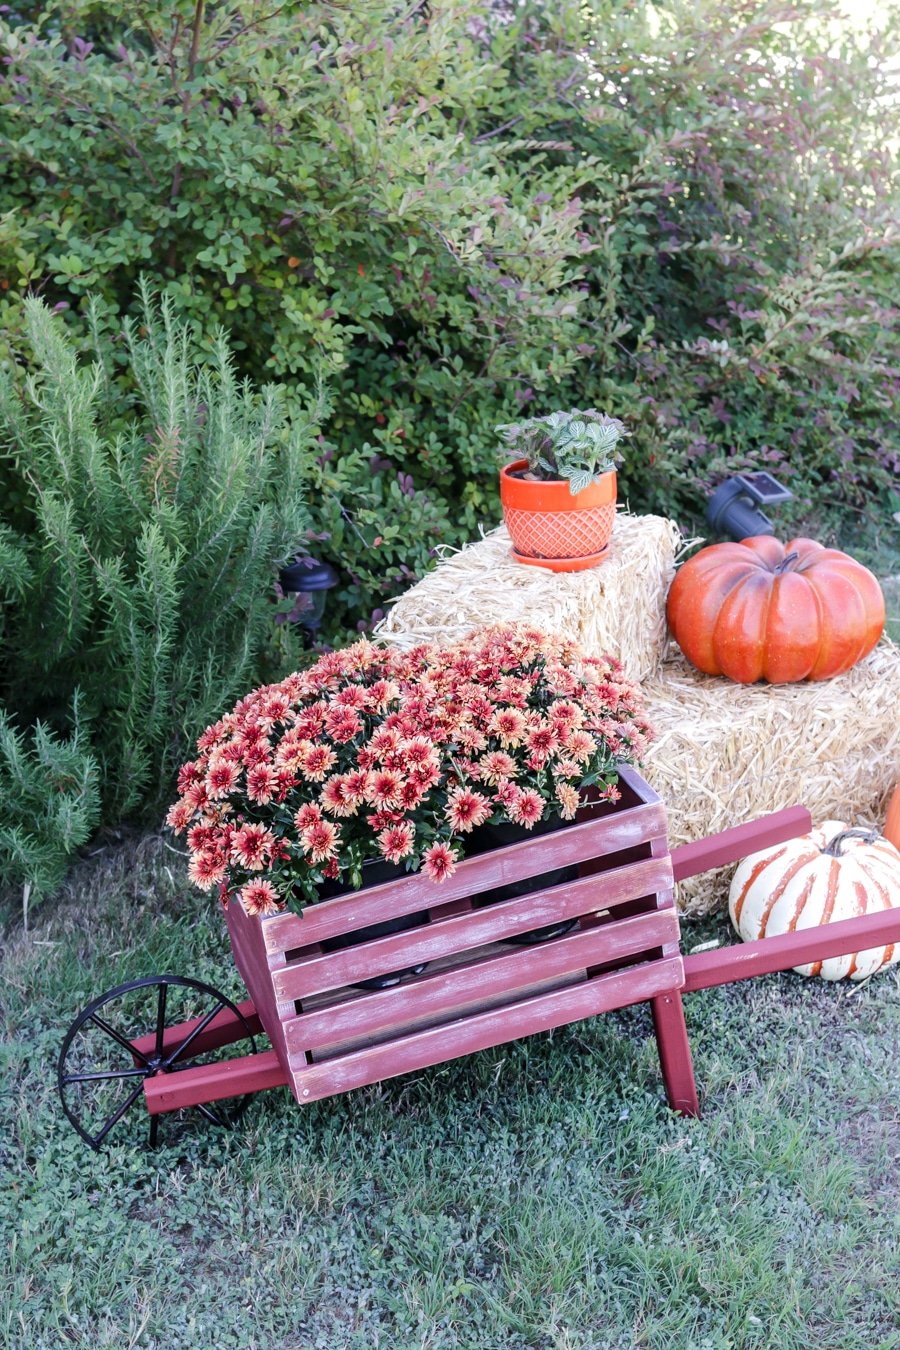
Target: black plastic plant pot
[374,873]
[488,837]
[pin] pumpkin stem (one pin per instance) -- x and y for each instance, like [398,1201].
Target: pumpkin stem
[786,562]
[835,848]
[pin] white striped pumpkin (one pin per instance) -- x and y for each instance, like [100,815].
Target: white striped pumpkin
[829,874]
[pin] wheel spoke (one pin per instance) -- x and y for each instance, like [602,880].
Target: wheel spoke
[201,1026]
[228,1121]
[102,1077]
[161,1019]
[114,1119]
[117,1036]
[211,1116]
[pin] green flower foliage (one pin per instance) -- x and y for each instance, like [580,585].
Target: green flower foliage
[139,565]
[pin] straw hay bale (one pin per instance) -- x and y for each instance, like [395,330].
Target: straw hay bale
[615,609]
[726,753]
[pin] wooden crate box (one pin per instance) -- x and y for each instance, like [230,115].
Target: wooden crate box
[477,990]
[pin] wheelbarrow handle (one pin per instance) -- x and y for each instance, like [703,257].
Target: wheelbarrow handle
[764,956]
[689,860]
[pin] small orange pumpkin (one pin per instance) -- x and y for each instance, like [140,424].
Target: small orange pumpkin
[762,610]
[892,824]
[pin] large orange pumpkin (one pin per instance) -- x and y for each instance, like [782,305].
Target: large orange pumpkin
[762,610]
[892,824]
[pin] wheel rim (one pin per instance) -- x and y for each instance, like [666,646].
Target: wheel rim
[100,1072]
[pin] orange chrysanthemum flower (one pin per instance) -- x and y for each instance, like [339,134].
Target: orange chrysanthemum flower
[252,847]
[465,809]
[320,840]
[439,862]
[261,897]
[397,841]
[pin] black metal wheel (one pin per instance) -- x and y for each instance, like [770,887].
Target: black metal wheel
[101,1071]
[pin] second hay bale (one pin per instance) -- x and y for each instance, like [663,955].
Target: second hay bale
[727,753]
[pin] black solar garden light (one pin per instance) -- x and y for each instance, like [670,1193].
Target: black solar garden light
[734,507]
[306,577]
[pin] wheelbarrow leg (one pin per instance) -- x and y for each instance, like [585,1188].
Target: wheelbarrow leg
[675,1053]
[668,1012]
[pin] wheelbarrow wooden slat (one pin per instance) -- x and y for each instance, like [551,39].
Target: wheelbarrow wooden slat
[313,974]
[765,956]
[198,1086]
[226,1029]
[465,1035]
[597,838]
[435,992]
[689,860]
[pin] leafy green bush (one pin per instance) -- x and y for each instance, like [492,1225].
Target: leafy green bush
[374,525]
[747,271]
[683,215]
[136,574]
[326,181]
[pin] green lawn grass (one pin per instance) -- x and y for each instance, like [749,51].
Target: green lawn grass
[538,1195]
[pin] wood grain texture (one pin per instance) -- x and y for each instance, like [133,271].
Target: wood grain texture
[214,1082]
[466,1035]
[766,955]
[433,994]
[689,860]
[314,974]
[503,867]
[481,1004]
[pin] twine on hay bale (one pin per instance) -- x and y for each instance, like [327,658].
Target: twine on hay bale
[726,753]
[615,609]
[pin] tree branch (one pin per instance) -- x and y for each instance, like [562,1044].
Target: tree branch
[193,57]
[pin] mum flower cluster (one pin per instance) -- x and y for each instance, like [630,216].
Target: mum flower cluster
[375,753]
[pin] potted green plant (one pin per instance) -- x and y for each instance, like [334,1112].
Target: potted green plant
[559,495]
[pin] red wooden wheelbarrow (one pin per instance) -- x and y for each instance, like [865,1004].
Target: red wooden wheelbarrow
[463,971]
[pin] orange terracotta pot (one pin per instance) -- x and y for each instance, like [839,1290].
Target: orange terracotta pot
[892,824]
[551,528]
